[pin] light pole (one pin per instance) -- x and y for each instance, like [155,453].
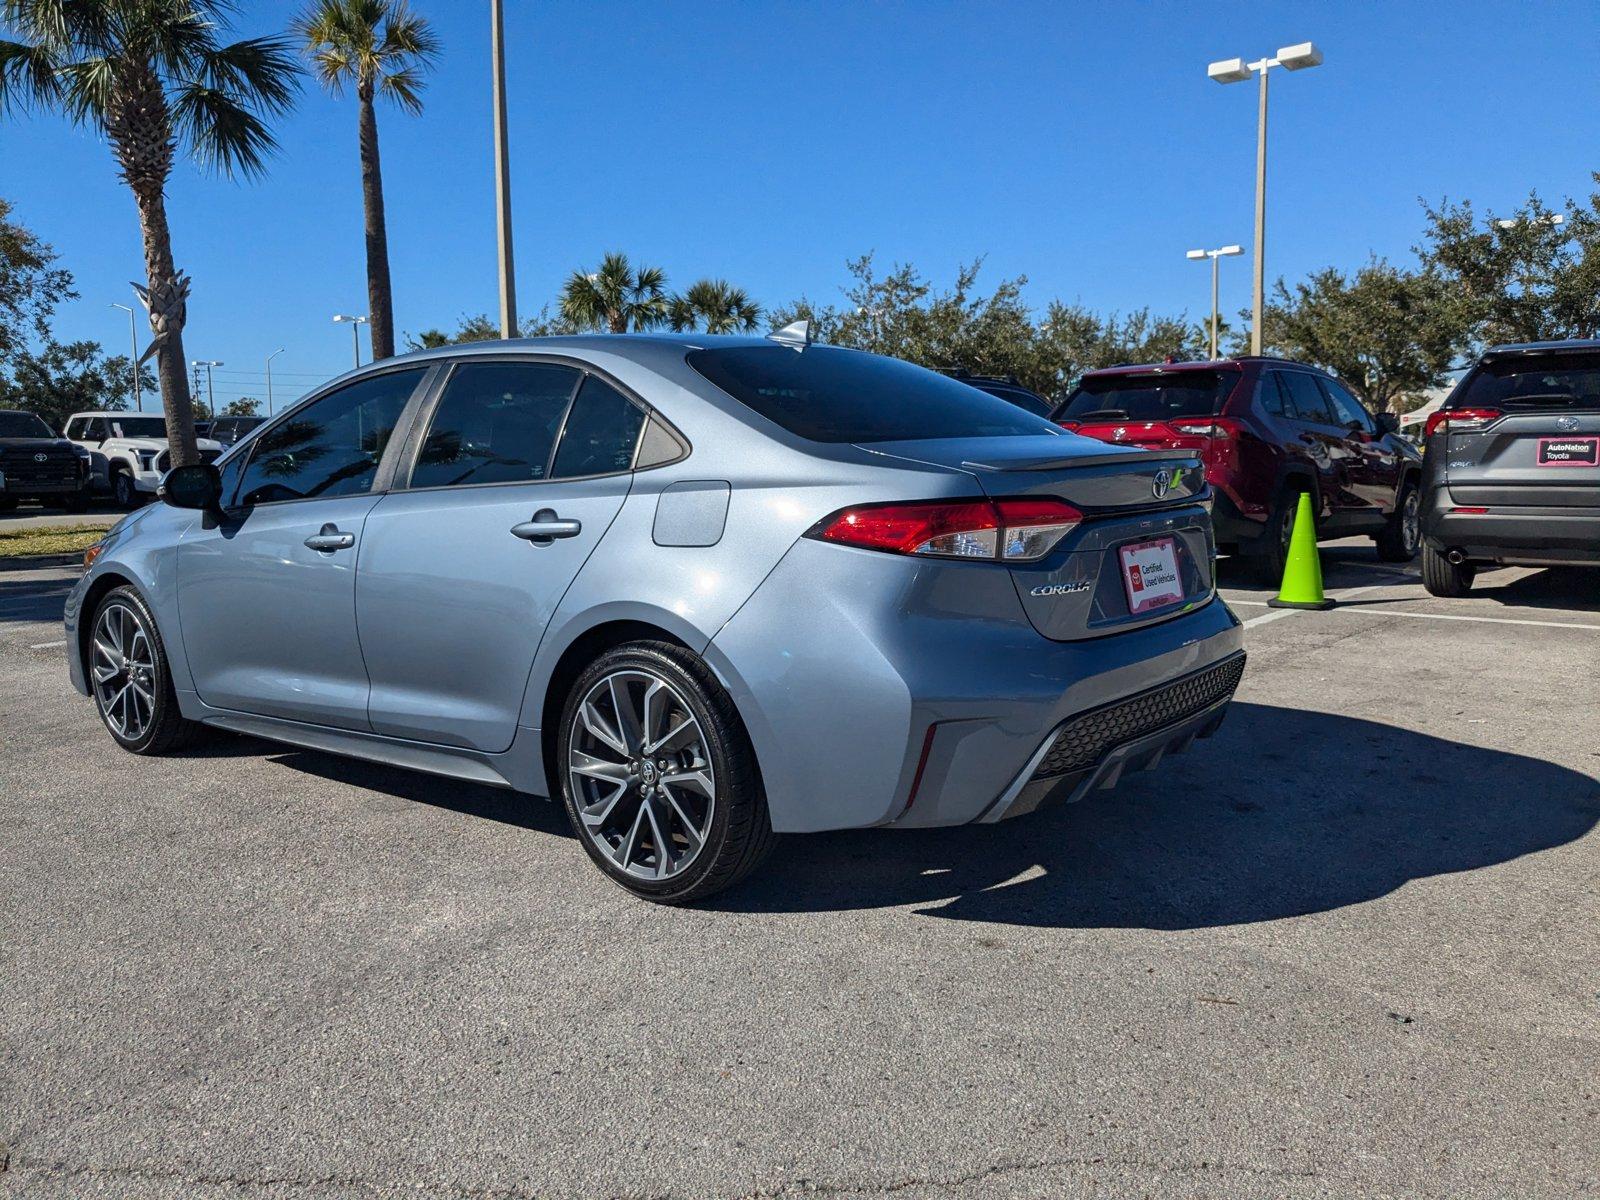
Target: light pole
[208,363]
[1236,70]
[270,357]
[133,334]
[355,331]
[1504,222]
[502,172]
[1214,255]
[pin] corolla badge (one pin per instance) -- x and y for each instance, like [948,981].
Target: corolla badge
[1566,424]
[1161,484]
[1060,589]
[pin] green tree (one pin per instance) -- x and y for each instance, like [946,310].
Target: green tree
[616,298]
[244,406]
[57,379]
[31,285]
[1388,334]
[1519,278]
[715,306]
[480,327]
[152,77]
[377,48]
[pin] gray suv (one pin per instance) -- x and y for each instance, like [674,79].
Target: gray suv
[702,590]
[1513,465]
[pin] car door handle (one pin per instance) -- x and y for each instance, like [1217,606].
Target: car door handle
[330,539]
[546,527]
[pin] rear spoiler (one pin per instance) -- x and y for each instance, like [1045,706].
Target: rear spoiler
[1057,462]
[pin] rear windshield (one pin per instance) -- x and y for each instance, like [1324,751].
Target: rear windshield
[23,425]
[1149,397]
[1532,383]
[827,394]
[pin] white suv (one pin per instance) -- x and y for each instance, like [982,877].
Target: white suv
[128,452]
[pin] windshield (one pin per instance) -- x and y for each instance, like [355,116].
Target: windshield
[826,394]
[138,427]
[1532,382]
[23,425]
[1149,397]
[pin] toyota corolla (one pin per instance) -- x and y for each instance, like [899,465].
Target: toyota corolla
[701,590]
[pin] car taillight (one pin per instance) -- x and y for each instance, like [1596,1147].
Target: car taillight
[1017,530]
[1217,428]
[1459,420]
[1070,426]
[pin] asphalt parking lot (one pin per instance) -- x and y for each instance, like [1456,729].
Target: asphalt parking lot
[1348,947]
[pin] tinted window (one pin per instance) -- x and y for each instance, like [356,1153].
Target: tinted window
[138,427]
[600,434]
[1269,395]
[496,423]
[1532,382]
[1304,398]
[1347,408]
[1021,397]
[1149,397]
[23,425]
[826,394]
[97,431]
[332,446]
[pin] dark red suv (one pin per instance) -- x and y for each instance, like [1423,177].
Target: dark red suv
[1267,429]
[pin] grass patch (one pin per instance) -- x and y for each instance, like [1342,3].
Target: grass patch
[32,543]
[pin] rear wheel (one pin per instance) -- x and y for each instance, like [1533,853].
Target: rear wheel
[123,491]
[658,776]
[1270,553]
[131,680]
[1401,537]
[1444,578]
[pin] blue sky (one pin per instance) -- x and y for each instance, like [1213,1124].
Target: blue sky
[1078,144]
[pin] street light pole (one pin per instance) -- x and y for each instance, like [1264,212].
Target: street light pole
[355,331]
[1214,255]
[502,172]
[133,361]
[270,357]
[1236,70]
[211,396]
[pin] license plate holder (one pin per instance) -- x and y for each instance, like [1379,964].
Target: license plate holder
[1569,452]
[1150,575]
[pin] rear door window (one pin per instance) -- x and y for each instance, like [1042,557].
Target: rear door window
[496,423]
[828,394]
[1149,397]
[1305,399]
[600,434]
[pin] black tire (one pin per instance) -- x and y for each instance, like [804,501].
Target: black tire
[164,728]
[1401,537]
[123,492]
[1269,554]
[77,502]
[1444,578]
[736,833]
[8,504]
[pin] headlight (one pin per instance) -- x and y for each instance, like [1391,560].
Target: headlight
[147,459]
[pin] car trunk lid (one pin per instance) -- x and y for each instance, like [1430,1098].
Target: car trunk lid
[1141,509]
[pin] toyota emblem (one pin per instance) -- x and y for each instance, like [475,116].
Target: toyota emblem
[41,458]
[1566,424]
[1161,484]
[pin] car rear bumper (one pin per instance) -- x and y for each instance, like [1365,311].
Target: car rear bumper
[917,694]
[1512,535]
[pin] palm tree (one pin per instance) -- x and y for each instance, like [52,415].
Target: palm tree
[378,47]
[616,298]
[152,77]
[716,304]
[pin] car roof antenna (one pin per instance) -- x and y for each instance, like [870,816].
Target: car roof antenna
[796,334]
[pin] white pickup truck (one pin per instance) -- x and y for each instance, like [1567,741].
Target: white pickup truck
[128,452]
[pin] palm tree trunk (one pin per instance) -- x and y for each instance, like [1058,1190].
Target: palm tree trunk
[168,304]
[380,299]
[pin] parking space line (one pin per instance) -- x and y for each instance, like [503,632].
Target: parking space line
[47,645]
[1342,594]
[1434,616]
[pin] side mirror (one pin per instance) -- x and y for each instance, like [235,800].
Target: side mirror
[198,485]
[1388,422]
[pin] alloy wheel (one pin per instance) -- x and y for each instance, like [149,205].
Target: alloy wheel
[124,672]
[641,774]
[1411,522]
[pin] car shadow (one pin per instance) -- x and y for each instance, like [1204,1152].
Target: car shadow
[28,598]
[1569,588]
[1284,812]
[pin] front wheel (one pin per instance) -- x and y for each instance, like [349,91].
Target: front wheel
[1444,578]
[131,679]
[1401,537]
[123,491]
[658,776]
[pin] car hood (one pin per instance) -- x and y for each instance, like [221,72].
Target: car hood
[35,444]
[156,444]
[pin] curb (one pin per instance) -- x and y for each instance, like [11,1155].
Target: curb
[39,562]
